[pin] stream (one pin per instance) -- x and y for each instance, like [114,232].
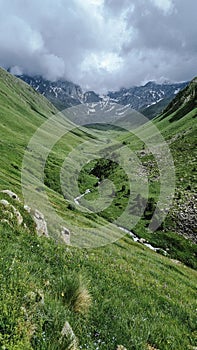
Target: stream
[130,233]
[76,200]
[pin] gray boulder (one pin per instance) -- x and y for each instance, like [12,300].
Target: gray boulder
[11,194]
[41,225]
[65,233]
[68,333]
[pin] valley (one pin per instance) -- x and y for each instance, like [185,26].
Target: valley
[101,171]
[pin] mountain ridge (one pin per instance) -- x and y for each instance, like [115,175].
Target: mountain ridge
[64,94]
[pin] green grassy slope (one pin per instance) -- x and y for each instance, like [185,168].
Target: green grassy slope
[178,127]
[120,294]
[183,103]
[22,112]
[136,298]
[153,110]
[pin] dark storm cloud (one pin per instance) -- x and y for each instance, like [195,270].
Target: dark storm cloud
[100,44]
[162,41]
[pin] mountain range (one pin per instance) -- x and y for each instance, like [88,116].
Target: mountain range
[150,99]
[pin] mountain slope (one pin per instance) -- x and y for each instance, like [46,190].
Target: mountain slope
[22,111]
[157,108]
[54,296]
[178,125]
[185,102]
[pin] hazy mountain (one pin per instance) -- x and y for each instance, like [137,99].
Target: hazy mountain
[61,93]
[142,97]
[149,99]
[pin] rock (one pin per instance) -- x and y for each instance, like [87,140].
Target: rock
[39,296]
[18,215]
[65,233]
[121,347]
[177,262]
[27,208]
[4,202]
[38,217]
[11,194]
[5,221]
[9,214]
[142,153]
[142,240]
[150,347]
[41,225]
[69,334]
[184,214]
[35,297]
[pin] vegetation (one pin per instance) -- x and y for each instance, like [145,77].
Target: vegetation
[54,296]
[118,294]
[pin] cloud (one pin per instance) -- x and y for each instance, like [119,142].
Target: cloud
[100,44]
[164,5]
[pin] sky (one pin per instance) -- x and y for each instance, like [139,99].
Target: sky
[100,44]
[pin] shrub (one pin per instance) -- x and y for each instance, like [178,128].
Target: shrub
[77,295]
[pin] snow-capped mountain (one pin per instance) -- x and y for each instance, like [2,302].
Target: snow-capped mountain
[61,93]
[150,99]
[142,97]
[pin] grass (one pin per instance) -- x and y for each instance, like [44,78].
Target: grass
[149,298]
[118,294]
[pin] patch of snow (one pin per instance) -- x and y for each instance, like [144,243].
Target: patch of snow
[110,109]
[127,94]
[114,100]
[93,105]
[92,110]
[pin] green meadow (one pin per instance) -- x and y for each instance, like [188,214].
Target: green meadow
[104,290]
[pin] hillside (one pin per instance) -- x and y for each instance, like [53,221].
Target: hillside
[116,294]
[157,108]
[183,103]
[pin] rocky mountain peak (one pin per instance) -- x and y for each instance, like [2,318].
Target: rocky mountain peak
[64,94]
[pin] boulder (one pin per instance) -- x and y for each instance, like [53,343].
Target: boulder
[13,211]
[35,297]
[41,225]
[18,215]
[27,208]
[142,240]
[11,195]
[65,233]
[4,203]
[68,333]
